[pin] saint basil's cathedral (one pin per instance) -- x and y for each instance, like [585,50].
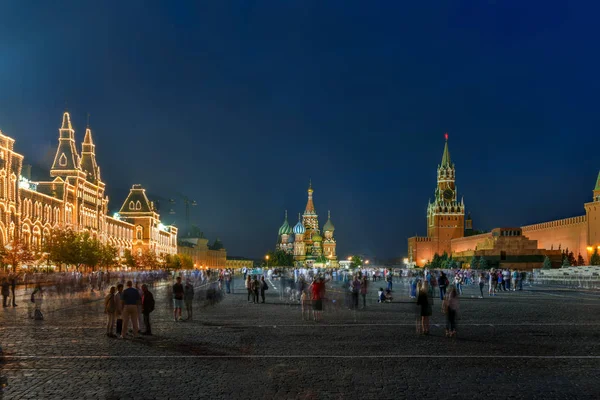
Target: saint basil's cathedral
[304,240]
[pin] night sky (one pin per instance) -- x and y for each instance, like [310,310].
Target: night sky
[238,104]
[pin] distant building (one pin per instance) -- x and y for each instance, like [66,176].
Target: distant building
[239,263]
[445,216]
[305,242]
[504,248]
[196,246]
[75,199]
[448,232]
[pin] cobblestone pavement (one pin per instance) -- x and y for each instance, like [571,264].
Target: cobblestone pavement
[539,343]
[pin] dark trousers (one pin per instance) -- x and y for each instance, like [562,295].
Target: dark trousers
[12,289]
[451,321]
[119,326]
[262,295]
[481,288]
[442,292]
[255,296]
[364,296]
[249,294]
[147,322]
[354,300]
[389,285]
[4,300]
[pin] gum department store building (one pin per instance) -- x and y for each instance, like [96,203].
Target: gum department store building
[508,247]
[75,198]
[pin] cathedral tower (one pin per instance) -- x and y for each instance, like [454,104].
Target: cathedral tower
[310,221]
[88,158]
[445,215]
[329,242]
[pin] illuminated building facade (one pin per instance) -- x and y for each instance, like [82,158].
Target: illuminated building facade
[304,241]
[75,198]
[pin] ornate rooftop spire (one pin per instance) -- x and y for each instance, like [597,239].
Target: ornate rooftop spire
[310,207]
[446,162]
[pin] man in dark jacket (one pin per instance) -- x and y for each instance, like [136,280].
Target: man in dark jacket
[147,308]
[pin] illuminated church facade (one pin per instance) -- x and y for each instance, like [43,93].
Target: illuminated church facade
[305,241]
[75,198]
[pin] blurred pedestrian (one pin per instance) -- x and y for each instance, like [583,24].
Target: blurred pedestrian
[13,286]
[255,289]
[481,284]
[248,284]
[119,308]
[188,297]
[5,292]
[450,307]
[424,303]
[109,310]
[263,286]
[363,290]
[178,295]
[147,308]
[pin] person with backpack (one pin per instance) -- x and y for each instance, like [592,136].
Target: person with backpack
[147,308]
[109,310]
[263,286]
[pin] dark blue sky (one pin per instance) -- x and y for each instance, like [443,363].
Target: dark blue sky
[238,104]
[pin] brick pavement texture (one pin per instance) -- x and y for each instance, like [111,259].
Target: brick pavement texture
[539,343]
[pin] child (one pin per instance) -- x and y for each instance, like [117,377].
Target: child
[380,296]
[388,296]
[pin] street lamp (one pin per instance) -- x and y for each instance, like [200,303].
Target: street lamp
[367,261]
[349,258]
[267,258]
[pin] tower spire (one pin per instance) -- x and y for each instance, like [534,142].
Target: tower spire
[88,156]
[66,160]
[310,207]
[446,162]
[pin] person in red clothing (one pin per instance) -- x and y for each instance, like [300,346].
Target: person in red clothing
[318,292]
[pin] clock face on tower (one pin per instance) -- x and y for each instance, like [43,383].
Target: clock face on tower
[448,194]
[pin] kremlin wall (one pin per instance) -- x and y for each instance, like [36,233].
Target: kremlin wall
[523,248]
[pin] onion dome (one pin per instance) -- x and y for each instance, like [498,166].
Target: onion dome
[285,227]
[328,225]
[316,237]
[299,229]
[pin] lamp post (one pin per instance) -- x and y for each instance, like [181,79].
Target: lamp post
[267,258]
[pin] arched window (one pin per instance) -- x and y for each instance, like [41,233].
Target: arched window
[131,205]
[138,205]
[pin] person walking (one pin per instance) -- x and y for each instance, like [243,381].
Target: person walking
[424,306]
[147,308]
[188,297]
[178,295]
[363,290]
[318,291]
[119,308]
[13,286]
[109,310]
[493,281]
[131,299]
[38,298]
[263,286]
[140,314]
[389,278]
[5,292]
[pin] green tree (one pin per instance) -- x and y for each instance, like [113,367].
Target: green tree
[473,263]
[147,260]
[16,253]
[62,247]
[572,259]
[483,265]
[186,261]
[547,263]
[108,256]
[595,260]
[356,262]
[90,251]
[580,260]
[129,259]
[566,262]
[279,258]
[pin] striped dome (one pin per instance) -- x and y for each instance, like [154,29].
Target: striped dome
[285,227]
[299,229]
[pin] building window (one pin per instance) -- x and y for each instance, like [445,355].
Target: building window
[131,205]
[138,205]
[62,161]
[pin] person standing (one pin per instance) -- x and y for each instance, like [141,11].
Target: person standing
[248,284]
[443,284]
[109,310]
[5,292]
[119,308]
[363,291]
[147,308]
[263,287]
[255,289]
[188,297]
[140,314]
[450,307]
[481,284]
[13,286]
[178,295]
[38,297]
[389,278]
[131,299]
[355,287]
[425,307]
